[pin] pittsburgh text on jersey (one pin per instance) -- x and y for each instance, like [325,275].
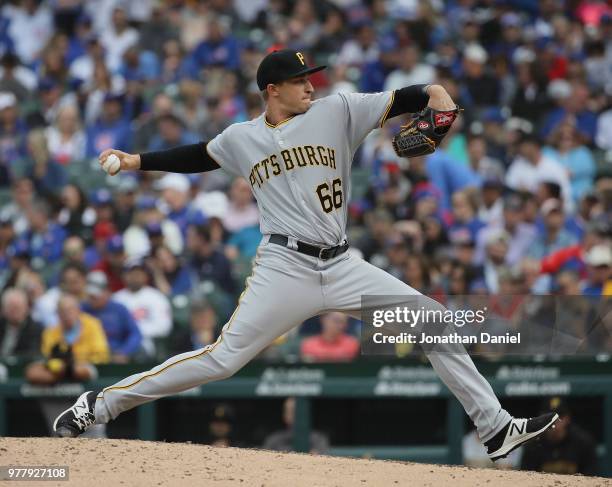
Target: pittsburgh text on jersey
[301,156]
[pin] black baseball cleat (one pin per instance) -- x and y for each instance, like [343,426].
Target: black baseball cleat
[76,419]
[518,432]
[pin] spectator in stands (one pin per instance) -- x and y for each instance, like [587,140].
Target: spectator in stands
[73,253]
[599,270]
[378,226]
[15,78]
[65,138]
[136,238]
[7,234]
[332,33]
[111,129]
[481,88]
[553,236]
[487,167]
[175,194]
[75,215]
[45,238]
[567,149]
[574,256]
[532,167]
[530,100]
[176,64]
[117,39]
[102,233]
[497,246]
[447,175]
[242,211]
[12,136]
[52,64]
[112,263]
[192,109]
[243,243]
[22,197]
[333,344]
[170,275]
[417,272]
[603,137]
[576,106]
[48,176]
[71,347]
[125,198]
[361,48]
[146,128]
[564,449]
[220,49]
[122,332]
[171,132]
[203,328]
[283,440]
[30,27]
[575,316]
[521,234]
[102,202]
[71,281]
[411,70]
[19,263]
[208,263]
[148,306]
[157,30]
[19,333]
[82,68]
[491,207]
[464,214]
[51,100]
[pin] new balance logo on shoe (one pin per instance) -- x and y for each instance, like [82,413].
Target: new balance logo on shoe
[518,432]
[77,419]
[519,429]
[81,406]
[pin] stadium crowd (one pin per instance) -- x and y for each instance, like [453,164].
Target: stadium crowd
[517,201]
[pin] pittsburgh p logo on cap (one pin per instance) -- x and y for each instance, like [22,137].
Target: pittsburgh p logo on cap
[283,65]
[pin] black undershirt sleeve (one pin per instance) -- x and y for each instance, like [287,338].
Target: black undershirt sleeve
[410,99]
[185,159]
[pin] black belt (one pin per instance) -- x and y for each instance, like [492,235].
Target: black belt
[312,250]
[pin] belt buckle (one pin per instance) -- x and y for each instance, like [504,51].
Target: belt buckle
[322,254]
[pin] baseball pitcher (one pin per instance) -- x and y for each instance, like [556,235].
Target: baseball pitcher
[297,158]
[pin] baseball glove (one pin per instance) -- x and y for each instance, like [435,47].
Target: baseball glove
[424,132]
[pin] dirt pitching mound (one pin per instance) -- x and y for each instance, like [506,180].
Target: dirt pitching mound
[98,463]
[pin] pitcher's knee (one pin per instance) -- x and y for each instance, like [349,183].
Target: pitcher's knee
[225,370]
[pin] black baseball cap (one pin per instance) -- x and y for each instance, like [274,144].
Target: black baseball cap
[283,65]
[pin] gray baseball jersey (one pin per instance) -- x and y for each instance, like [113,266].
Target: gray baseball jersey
[299,170]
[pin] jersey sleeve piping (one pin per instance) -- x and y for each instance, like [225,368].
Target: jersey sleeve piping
[387,110]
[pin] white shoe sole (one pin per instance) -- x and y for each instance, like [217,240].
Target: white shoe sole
[64,412]
[508,447]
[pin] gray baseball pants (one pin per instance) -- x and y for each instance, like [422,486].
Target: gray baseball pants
[285,289]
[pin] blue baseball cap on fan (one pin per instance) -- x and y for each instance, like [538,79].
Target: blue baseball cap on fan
[146,202]
[101,197]
[115,244]
[19,249]
[154,229]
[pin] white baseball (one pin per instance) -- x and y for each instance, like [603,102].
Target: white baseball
[112,165]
